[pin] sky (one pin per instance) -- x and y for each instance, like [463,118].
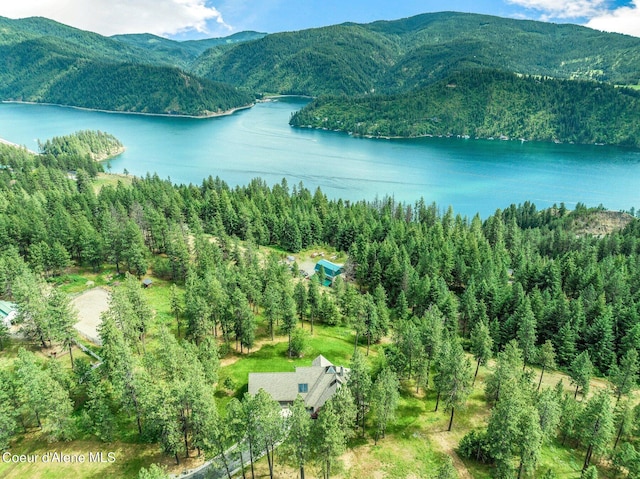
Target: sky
[194,19]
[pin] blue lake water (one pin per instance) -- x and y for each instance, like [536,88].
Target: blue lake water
[470,175]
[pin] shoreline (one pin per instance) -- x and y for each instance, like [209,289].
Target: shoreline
[271,97]
[120,151]
[10,143]
[457,137]
[110,156]
[196,117]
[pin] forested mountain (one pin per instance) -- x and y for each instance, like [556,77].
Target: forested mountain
[392,56]
[341,59]
[44,61]
[144,89]
[182,53]
[489,103]
[15,32]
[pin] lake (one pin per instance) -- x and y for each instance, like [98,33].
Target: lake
[470,175]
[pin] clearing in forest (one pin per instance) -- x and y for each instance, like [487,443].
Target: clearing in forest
[90,305]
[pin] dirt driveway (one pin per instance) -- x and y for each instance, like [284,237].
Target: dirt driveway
[90,306]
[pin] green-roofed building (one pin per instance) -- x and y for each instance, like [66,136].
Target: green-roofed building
[8,311]
[331,270]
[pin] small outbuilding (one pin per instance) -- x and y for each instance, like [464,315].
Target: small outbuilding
[8,312]
[331,270]
[147,283]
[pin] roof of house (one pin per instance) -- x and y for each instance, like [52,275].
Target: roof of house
[330,268]
[322,380]
[7,312]
[7,308]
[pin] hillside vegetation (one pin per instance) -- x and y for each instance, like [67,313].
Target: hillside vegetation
[489,104]
[44,61]
[182,54]
[396,56]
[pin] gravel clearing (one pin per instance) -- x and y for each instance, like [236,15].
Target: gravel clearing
[90,305]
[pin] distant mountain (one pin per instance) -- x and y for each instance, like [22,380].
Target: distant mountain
[489,104]
[342,59]
[45,61]
[395,56]
[80,42]
[181,53]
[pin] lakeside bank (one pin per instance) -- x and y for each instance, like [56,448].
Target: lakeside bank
[167,115]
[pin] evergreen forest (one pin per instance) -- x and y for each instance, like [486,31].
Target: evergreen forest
[488,104]
[457,330]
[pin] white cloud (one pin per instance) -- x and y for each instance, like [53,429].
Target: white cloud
[621,20]
[597,12]
[563,9]
[109,17]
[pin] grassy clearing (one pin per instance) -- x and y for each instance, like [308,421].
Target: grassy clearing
[110,179]
[10,352]
[79,281]
[335,343]
[129,459]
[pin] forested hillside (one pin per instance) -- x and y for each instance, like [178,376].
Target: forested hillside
[44,61]
[395,56]
[96,145]
[144,89]
[421,284]
[489,104]
[341,59]
[182,54]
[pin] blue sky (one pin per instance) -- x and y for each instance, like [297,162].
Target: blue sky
[188,19]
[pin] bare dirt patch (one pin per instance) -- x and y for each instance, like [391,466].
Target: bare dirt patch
[601,223]
[447,445]
[90,305]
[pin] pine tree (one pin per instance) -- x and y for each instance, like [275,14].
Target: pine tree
[456,378]
[481,345]
[175,305]
[580,373]
[300,296]
[529,440]
[359,384]
[509,365]
[527,331]
[595,425]
[332,429]
[504,429]
[384,401]
[549,411]
[298,440]
[625,376]
[546,359]
[289,316]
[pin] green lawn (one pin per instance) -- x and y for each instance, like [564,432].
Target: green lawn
[129,458]
[110,179]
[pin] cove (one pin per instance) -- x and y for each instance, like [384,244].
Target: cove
[473,176]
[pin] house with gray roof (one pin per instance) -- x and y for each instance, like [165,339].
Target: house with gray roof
[315,384]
